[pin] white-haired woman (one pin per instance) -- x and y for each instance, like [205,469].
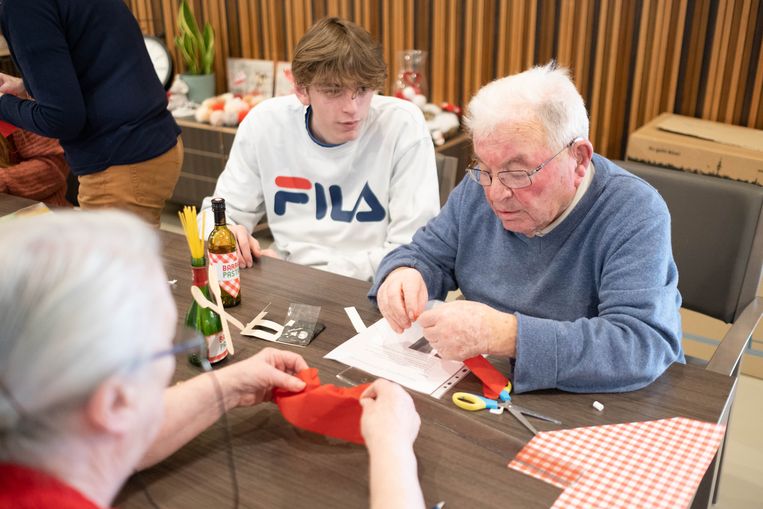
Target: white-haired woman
[85,308]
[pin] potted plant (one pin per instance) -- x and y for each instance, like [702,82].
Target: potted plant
[198,52]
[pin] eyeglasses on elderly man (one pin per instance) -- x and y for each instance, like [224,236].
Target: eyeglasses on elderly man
[513,179]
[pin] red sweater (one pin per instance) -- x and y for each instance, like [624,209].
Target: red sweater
[40,170]
[24,488]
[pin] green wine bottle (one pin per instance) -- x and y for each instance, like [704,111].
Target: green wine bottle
[205,320]
[222,256]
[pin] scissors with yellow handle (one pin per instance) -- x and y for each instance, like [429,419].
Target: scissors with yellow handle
[473,402]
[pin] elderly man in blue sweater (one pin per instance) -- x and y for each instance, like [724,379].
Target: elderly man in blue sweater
[564,259]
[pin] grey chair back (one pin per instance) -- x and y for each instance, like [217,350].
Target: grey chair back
[717,232]
[447,167]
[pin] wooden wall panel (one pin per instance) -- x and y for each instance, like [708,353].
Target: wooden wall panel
[756,103]
[630,60]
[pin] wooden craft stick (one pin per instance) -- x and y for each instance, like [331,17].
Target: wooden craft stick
[251,325]
[202,301]
[267,336]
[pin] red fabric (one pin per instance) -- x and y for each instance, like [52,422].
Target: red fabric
[25,488]
[7,129]
[493,381]
[326,409]
[37,169]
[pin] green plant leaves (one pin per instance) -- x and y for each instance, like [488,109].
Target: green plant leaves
[197,49]
[208,53]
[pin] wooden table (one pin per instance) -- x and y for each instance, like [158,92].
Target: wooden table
[462,456]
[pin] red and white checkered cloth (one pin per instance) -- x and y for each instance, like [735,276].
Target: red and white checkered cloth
[232,285]
[655,464]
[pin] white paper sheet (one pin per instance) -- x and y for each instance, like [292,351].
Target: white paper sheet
[381,352]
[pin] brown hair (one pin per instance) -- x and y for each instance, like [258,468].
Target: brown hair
[336,51]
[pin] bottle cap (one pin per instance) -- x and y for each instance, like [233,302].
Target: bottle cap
[218,204]
[218,210]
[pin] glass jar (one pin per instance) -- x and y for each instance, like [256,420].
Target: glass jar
[411,82]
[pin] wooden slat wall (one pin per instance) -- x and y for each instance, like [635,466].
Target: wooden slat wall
[631,60]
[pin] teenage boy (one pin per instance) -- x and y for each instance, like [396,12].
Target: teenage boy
[343,174]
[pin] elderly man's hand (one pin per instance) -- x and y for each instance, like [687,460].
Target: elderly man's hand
[389,417]
[252,380]
[462,329]
[402,297]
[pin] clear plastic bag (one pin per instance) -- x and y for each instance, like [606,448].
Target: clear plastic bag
[301,325]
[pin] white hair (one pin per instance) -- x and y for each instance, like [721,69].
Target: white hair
[544,97]
[78,301]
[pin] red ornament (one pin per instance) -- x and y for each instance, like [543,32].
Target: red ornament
[450,107]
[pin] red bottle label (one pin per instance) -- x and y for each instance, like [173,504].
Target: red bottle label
[199,276]
[217,349]
[226,265]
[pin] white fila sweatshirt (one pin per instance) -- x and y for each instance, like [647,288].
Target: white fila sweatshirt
[338,208]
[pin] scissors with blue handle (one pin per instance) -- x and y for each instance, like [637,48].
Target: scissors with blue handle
[473,402]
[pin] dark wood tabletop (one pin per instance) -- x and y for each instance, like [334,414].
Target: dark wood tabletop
[462,456]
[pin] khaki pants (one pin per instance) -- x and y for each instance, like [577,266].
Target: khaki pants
[140,188]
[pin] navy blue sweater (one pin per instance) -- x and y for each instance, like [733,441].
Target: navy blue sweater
[85,64]
[596,299]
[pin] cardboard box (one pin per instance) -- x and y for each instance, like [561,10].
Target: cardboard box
[702,335]
[699,146]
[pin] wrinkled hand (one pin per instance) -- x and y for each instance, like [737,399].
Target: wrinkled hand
[252,380]
[462,329]
[247,246]
[389,416]
[402,297]
[13,86]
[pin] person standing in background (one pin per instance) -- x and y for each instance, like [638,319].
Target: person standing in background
[88,81]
